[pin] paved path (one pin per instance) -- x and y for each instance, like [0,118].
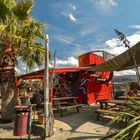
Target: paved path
[72,126]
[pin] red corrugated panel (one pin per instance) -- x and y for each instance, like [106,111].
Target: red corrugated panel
[89,59]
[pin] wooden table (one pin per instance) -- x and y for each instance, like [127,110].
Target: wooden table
[64,98]
[126,98]
[64,103]
[116,102]
[114,108]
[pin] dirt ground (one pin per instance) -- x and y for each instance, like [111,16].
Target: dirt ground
[72,126]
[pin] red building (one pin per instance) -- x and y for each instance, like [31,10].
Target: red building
[88,86]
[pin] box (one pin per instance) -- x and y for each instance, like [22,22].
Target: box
[41,118]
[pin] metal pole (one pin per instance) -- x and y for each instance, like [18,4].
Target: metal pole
[54,59]
[30,122]
[48,119]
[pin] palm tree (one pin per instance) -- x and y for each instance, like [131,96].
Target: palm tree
[20,40]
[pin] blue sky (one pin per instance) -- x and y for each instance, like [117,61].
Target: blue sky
[78,26]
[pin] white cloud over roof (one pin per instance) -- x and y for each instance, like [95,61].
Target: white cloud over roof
[116,47]
[68,62]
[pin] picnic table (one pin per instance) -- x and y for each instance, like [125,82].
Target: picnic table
[112,107]
[126,98]
[115,102]
[64,103]
[64,98]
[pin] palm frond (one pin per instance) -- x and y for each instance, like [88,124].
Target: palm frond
[123,131]
[136,132]
[5,9]
[134,102]
[23,31]
[23,9]
[2,28]
[124,136]
[33,29]
[33,55]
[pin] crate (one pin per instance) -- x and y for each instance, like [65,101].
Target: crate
[41,118]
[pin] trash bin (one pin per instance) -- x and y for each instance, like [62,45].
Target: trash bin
[21,120]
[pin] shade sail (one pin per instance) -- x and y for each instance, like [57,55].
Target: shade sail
[123,61]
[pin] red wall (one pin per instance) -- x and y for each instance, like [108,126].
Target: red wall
[87,86]
[89,59]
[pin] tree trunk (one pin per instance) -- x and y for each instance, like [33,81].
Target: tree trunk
[8,90]
[7,82]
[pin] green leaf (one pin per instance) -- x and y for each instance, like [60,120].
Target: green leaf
[124,136]
[23,9]
[126,129]
[136,132]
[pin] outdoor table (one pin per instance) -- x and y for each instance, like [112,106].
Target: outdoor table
[64,98]
[64,103]
[112,107]
[126,98]
[116,102]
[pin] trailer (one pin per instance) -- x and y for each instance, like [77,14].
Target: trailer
[88,86]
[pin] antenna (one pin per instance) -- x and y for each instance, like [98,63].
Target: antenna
[126,42]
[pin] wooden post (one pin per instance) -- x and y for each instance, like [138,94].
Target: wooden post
[51,80]
[48,109]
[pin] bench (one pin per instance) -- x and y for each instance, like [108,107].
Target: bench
[105,112]
[64,103]
[61,108]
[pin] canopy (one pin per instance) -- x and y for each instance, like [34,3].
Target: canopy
[123,61]
[40,73]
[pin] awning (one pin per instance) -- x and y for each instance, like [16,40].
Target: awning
[121,62]
[40,73]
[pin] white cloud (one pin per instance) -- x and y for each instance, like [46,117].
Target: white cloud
[67,40]
[54,28]
[88,30]
[77,51]
[135,27]
[105,5]
[126,72]
[72,6]
[68,12]
[64,37]
[135,38]
[116,47]
[113,42]
[69,62]
[71,17]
